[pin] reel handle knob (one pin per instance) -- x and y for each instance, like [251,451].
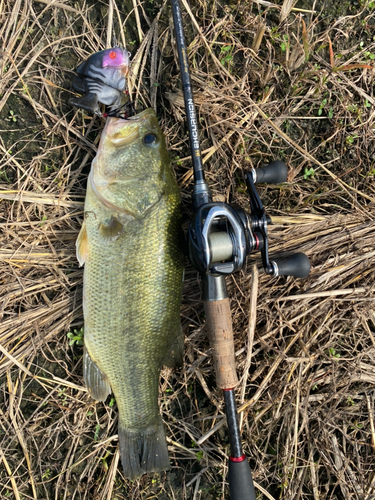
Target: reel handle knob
[297,265]
[274,173]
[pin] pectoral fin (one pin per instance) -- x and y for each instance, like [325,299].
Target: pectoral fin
[96,381]
[81,245]
[111,229]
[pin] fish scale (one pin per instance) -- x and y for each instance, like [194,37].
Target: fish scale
[130,244]
[122,269]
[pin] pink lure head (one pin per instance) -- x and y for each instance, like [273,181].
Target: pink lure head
[116,57]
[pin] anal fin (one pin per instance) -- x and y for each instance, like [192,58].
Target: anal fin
[96,381]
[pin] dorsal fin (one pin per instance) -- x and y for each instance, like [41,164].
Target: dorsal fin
[175,356]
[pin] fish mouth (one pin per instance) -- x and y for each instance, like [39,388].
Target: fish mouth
[142,115]
[120,132]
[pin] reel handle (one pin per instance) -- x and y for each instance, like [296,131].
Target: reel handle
[297,265]
[273,173]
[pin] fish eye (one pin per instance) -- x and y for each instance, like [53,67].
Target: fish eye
[150,140]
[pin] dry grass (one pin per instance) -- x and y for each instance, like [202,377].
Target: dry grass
[271,81]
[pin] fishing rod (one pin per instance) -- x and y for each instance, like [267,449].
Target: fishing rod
[220,238]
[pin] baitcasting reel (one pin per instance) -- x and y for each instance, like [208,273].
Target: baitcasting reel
[222,235]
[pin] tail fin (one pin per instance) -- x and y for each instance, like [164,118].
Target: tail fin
[143,451]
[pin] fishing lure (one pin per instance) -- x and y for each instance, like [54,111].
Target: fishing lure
[101,79]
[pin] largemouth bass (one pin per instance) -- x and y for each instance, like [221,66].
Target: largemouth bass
[130,243]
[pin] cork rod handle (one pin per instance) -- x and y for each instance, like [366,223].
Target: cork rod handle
[220,332]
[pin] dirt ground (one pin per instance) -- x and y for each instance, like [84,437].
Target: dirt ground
[272,80]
